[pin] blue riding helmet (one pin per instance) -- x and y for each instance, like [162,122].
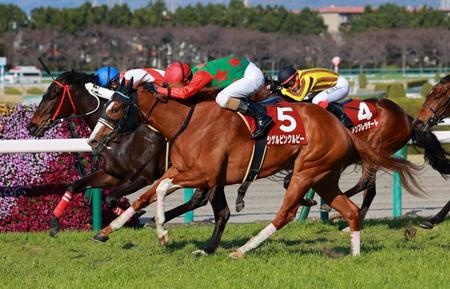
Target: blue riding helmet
[106,75]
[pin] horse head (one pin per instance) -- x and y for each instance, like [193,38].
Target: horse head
[60,102]
[120,115]
[436,106]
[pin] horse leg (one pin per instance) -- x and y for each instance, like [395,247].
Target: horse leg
[367,201]
[221,216]
[98,179]
[199,199]
[125,188]
[439,218]
[161,187]
[299,185]
[330,192]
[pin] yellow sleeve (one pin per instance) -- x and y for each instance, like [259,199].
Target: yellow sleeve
[304,84]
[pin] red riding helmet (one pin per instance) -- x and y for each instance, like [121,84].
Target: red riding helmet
[177,72]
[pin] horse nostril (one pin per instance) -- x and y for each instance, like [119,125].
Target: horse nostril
[31,127]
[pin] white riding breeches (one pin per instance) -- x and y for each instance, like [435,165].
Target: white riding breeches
[335,93]
[252,81]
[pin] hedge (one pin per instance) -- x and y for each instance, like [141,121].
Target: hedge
[32,184]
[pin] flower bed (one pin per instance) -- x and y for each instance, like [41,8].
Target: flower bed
[31,185]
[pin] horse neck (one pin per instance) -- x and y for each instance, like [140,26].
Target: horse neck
[85,104]
[167,118]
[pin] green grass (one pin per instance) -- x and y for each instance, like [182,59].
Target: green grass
[293,258]
[35,90]
[12,90]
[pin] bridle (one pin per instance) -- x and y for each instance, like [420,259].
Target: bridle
[435,117]
[66,93]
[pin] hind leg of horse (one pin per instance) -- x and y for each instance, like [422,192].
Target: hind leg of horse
[439,218]
[98,179]
[331,193]
[369,195]
[221,216]
[299,185]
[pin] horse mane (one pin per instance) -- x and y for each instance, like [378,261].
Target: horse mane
[76,77]
[445,79]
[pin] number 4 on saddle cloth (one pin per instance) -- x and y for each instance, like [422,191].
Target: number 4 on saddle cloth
[363,114]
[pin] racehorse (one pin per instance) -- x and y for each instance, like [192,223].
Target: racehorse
[395,128]
[126,165]
[214,150]
[435,108]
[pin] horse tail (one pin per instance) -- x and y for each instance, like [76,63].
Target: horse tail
[435,154]
[372,161]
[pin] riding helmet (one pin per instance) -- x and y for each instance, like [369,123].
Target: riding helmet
[177,72]
[106,75]
[285,74]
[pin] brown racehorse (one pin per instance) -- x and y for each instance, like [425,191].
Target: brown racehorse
[127,165]
[435,108]
[394,131]
[215,149]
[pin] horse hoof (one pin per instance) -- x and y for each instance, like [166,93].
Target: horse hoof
[309,202]
[426,225]
[54,226]
[164,239]
[99,237]
[151,223]
[139,213]
[240,206]
[346,230]
[199,253]
[236,255]
[325,208]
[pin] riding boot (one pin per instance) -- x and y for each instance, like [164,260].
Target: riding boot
[338,111]
[258,113]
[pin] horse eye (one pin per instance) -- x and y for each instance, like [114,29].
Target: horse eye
[114,110]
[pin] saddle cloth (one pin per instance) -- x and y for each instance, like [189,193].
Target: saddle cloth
[364,114]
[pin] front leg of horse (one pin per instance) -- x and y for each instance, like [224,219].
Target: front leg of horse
[97,179]
[439,218]
[143,201]
[296,191]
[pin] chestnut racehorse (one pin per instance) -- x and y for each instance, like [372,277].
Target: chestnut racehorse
[435,108]
[126,166]
[394,130]
[215,149]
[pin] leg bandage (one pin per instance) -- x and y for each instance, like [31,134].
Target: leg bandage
[355,243]
[122,219]
[258,239]
[59,210]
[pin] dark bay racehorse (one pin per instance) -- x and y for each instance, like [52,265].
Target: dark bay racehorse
[435,108]
[394,130]
[126,166]
[214,150]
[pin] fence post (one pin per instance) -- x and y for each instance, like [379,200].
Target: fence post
[189,216]
[96,209]
[305,210]
[323,213]
[397,186]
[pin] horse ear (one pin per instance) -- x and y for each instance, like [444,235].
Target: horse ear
[121,85]
[129,86]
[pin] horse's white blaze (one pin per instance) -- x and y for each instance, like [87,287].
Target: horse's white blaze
[355,243]
[164,186]
[258,239]
[96,130]
[122,219]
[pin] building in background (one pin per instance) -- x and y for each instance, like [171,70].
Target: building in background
[445,4]
[334,17]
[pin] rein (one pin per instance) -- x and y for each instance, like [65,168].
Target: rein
[66,92]
[437,119]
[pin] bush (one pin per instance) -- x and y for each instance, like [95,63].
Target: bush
[416,82]
[35,90]
[12,90]
[426,89]
[362,80]
[437,76]
[382,87]
[410,105]
[396,90]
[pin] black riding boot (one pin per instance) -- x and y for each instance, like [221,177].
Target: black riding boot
[258,113]
[338,111]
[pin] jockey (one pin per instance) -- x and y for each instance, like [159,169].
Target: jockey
[319,85]
[109,77]
[237,77]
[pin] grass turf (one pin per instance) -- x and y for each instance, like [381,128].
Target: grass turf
[311,255]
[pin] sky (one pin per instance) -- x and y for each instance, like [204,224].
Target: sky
[27,5]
